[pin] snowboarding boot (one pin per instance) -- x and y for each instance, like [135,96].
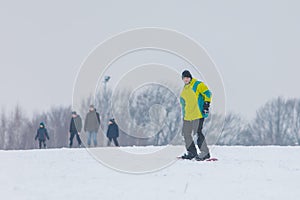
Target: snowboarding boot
[202,156]
[188,156]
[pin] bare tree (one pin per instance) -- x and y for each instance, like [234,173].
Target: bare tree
[295,121]
[233,130]
[273,122]
[13,129]
[156,110]
[149,115]
[58,122]
[103,102]
[3,130]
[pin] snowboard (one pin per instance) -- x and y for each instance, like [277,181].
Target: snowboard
[211,159]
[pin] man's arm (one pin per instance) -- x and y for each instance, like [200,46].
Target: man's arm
[206,94]
[47,135]
[70,125]
[37,134]
[79,124]
[98,117]
[117,131]
[85,123]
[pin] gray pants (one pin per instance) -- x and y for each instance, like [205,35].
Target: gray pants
[190,127]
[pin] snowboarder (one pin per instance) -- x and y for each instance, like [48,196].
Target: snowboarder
[91,125]
[195,100]
[42,134]
[112,132]
[75,128]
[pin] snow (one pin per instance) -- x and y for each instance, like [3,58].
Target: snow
[241,173]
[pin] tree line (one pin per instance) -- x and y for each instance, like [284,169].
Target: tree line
[154,118]
[277,122]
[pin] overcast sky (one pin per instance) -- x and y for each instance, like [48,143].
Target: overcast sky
[255,44]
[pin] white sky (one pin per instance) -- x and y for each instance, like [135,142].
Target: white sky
[255,44]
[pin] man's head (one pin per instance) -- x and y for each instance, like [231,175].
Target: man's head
[186,77]
[92,108]
[74,114]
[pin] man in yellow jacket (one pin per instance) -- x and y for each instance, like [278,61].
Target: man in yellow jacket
[195,100]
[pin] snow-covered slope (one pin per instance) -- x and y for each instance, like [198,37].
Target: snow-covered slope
[241,173]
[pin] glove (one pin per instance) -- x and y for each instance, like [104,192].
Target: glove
[206,107]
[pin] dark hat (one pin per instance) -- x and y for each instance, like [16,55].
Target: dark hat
[112,120]
[42,124]
[74,113]
[186,73]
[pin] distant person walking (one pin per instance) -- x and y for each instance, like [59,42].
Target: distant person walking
[75,129]
[42,135]
[112,132]
[91,125]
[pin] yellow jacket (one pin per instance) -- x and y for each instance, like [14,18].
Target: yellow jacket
[192,99]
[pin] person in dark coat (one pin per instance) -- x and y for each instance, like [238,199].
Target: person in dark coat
[75,128]
[112,132]
[42,135]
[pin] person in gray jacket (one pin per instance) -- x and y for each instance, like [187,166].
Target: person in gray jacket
[91,125]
